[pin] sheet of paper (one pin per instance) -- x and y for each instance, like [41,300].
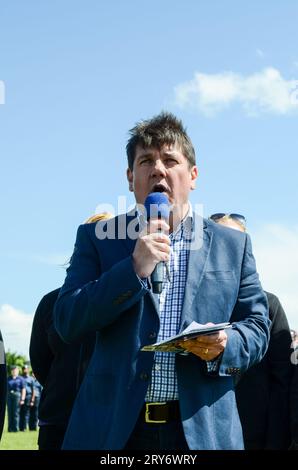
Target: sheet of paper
[192,331]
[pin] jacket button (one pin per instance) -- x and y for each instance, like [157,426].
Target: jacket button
[144,376]
[152,335]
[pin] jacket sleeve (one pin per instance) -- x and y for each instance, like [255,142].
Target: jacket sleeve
[249,337]
[91,299]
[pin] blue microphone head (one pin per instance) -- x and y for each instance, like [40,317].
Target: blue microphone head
[157,206]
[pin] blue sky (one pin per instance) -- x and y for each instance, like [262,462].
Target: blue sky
[76,76]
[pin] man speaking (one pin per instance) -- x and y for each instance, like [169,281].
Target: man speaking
[131,399]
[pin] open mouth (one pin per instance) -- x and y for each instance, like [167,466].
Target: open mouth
[159,188]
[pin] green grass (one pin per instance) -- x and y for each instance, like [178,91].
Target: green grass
[26,440]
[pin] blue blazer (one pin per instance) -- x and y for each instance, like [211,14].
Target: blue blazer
[102,292]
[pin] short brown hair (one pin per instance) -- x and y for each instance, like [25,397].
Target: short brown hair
[163,129]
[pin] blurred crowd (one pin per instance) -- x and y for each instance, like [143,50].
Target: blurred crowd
[23,397]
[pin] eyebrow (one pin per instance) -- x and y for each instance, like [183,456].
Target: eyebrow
[143,155]
[167,153]
[170,153]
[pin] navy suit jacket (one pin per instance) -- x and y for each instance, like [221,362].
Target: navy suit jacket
[102,292]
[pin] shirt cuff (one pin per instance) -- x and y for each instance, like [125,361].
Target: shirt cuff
[144,282]
[213,366]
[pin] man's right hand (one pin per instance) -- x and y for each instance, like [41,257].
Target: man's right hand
[152,247]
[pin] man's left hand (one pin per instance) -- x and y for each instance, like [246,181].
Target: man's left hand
[207,347]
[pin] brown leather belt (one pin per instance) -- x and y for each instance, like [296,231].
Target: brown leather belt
[161,413]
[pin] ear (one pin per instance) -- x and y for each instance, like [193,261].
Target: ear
[193,176]
[129,175]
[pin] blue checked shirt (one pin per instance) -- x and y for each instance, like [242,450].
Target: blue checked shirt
[163,385]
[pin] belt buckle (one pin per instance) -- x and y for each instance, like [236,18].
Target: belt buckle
[147,413]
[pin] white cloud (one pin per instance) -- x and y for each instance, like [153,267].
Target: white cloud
[263,92]
[276,251]
[16,329]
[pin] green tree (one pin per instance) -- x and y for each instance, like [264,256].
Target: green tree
[15,359]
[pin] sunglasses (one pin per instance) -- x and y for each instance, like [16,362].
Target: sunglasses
[237,217]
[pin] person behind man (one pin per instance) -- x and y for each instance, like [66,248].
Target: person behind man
[294,409]
[59,367]
[294,393]
[16,393]
[143,400]
[3,384]
[263,391]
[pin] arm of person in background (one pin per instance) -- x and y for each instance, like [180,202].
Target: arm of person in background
[280,370]
[41,355]
[23,392]
[32,397]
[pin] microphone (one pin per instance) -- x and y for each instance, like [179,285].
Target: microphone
[157,207]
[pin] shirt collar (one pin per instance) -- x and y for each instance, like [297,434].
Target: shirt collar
[185,227]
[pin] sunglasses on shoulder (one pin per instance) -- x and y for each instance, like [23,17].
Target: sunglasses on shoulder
[237,217]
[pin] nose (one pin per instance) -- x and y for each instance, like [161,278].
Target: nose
[158,168]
